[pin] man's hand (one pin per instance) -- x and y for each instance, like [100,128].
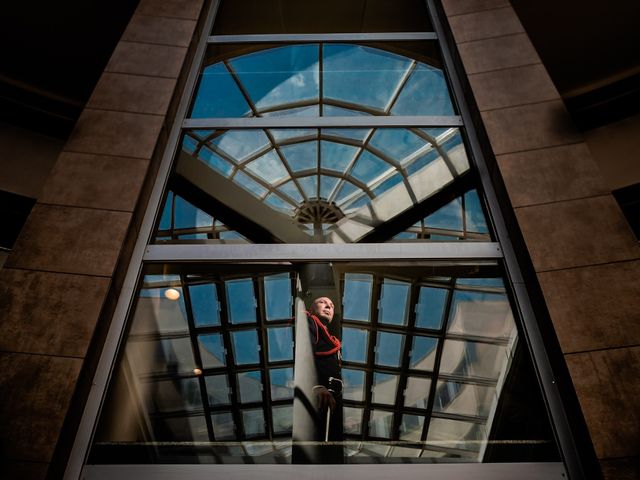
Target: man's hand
[325,398]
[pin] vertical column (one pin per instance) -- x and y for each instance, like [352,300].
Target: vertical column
[584,254]
[63,275]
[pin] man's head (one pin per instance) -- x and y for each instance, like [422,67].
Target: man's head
[323,308]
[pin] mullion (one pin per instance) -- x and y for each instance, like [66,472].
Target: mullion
[263,342]
[438,359]
[371,365]
[404,367]
[195,347]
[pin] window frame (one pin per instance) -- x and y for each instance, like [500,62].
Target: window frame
[145,252]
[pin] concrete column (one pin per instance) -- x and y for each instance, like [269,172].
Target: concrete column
[585,256]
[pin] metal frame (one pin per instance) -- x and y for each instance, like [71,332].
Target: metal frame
[440,251]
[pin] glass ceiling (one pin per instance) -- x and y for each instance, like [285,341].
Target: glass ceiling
[329,79]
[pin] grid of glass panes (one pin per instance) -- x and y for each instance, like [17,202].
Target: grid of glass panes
[214,356]
[424,361]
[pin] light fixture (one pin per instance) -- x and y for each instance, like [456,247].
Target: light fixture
[172,294]
[197,371]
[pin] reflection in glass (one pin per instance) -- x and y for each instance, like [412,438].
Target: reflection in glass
[456,434]
[277,292]
[411,427]
[416,395]
[281,383]
[241,301]
[175,395]
[280,344]
[430,307]
[250,386]
[464,399]
[245,347]
[394,301]
[223,426]
[481,314]
[474,359]
[423,353]
[389,349]
[352,420]
[204,305]
[354,345]
[181,429]
[384,388]
[381,423]
[212,350]
[353,384]
[253,422]
[218,390]
[159,356]
[282,419]
[357,296]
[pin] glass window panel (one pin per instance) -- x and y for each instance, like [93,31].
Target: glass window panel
[280,344]
[368,168]
[282,417]
[280,134]
[160,356]
[218,95]
[212,351]
[456,434]
[448,217]
[181,429]
[279,75]
[352,420]
[474,359]
[362,75]
[309,186]
[268,167]
[416,395]
[337,156]
[430,307]
[278,203]
[464,399]
[160,310]
[241,301]
[291,190]
[204,304]
[354,345]
[354,381]
[278,299]
[301,156]
[381,424]
[481,314]
[216,162]
[245,347]
[411,427]
[425,93]
[327,186]
[482,282]
[358,134]
[474,216]
[253,422]
[223,426]
[397,143]
[357,296]
[250,386]
[394,300]
[389,349]
[384,388]
[250,185]
[423,353]
[218,390]
[239,145]
[281,383]
[174,395]
[165,219]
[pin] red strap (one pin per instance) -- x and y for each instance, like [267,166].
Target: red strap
[333,340]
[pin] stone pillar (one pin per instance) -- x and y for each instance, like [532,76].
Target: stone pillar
[585,256]
[61,280]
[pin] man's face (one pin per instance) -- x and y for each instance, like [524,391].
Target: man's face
[323,308]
